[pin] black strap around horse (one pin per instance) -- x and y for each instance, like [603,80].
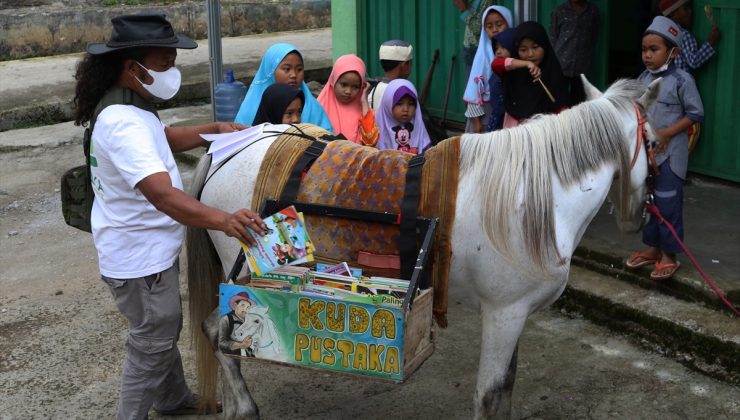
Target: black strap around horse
[290,191]
[409,207]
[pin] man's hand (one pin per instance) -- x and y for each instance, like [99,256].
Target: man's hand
[713,36]
[236,223]
[230,127]
[461,5]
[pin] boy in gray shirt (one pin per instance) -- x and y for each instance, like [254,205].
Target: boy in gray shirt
[677,107]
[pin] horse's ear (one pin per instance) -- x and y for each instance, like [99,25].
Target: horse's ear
[591,91]
[651,94]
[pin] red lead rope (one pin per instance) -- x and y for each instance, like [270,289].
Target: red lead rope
[653,209]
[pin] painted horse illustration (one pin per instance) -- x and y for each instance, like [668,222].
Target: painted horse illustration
[524,197]
[265,340]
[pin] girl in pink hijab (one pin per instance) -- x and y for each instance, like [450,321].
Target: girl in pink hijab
[342,97]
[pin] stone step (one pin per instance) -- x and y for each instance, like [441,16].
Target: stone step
[696,335]
[686,285]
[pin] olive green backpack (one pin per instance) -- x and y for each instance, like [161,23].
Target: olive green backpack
[76,187]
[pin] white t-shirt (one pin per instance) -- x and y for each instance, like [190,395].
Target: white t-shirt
[376,96]
[132,237]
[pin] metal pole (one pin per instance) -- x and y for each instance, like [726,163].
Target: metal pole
[215,57]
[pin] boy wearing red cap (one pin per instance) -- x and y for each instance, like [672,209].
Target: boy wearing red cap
[691,56]
[677,107]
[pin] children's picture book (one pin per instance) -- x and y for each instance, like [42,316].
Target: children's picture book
[341,268]
[286,242]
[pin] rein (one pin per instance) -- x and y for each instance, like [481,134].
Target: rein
[643,140]
[650,207]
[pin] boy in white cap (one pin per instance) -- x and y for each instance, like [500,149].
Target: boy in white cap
[677,107]
[395,58]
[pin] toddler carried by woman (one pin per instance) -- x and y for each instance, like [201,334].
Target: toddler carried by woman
[533,80]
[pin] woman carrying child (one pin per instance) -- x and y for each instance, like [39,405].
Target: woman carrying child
[533,80]
[282,63]
[399,119]
[677,107]
[281,104]
[478,91]
[345,101]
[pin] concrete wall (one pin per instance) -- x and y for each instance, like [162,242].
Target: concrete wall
[50,30]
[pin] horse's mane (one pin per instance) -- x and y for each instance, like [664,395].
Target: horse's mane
[570,144]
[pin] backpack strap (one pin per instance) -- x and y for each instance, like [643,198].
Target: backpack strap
[115,96]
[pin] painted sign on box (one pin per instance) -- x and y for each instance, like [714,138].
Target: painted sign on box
[311,331]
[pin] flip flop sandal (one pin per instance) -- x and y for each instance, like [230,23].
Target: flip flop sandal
[645,260]
[672,267]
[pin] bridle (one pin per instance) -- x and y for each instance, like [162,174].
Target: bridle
[644,140]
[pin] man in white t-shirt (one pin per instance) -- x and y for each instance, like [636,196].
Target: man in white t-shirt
[140,206]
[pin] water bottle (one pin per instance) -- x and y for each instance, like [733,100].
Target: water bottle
[229,96]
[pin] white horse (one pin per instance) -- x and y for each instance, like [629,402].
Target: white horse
[532,190]
[265,340]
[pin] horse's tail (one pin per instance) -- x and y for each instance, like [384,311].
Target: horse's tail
[204,274]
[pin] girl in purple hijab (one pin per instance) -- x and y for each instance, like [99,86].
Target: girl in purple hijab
[399,119]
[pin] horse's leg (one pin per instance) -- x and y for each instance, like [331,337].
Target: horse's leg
[498,358]
[237,401]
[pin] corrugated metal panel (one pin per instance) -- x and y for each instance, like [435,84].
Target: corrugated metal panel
[718,151]
[598,74]
[427,25]
[434,24]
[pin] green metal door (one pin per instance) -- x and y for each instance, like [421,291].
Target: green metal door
[427,25]
[718,151]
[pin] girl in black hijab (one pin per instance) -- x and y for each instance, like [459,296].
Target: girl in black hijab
[533,59]
[280,104]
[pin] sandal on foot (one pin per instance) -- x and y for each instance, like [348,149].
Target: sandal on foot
[639,259]
[192,407]
[671,267]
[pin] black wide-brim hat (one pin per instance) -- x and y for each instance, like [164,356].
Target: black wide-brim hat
[142,30]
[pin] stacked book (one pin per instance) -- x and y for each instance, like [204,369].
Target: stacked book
[290,279]
[273,264]
[339,282]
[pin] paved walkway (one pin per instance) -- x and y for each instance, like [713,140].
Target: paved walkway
[48,80]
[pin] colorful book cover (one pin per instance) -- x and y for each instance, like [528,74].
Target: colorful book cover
[326,268]
[286,243]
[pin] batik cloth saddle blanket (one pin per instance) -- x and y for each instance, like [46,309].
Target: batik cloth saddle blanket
[353,176]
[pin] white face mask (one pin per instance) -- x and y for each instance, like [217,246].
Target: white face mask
[165,84]
[664,67]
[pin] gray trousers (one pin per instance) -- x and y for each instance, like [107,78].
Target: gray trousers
[152,369]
